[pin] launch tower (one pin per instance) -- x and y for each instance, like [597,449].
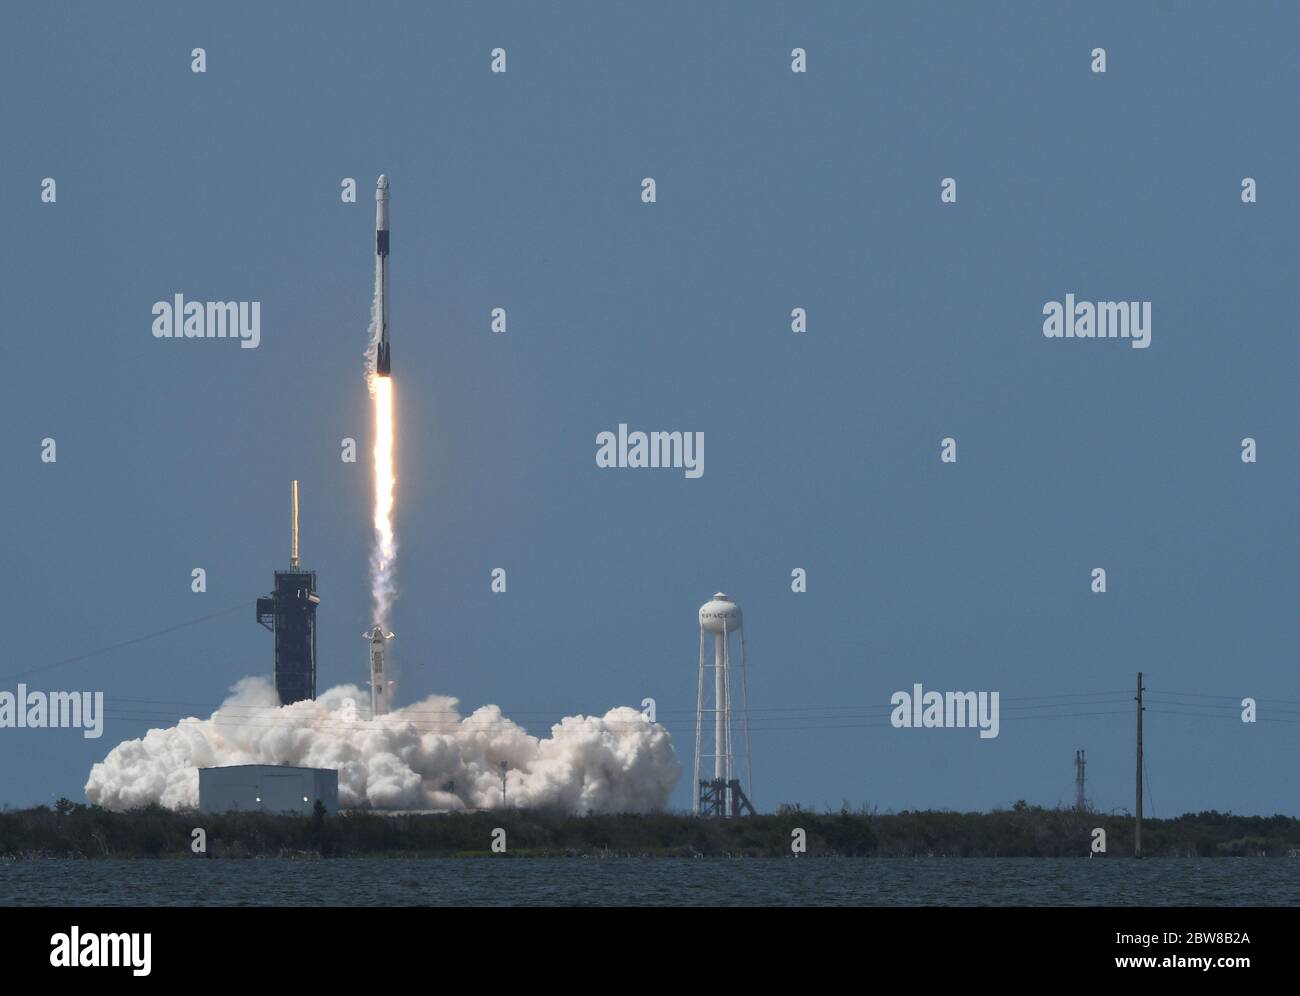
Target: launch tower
[289,612]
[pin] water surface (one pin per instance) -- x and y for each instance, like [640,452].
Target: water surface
[508,881]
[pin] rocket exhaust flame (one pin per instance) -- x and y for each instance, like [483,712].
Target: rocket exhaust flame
[383,558]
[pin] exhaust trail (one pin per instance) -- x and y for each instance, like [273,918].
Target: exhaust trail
[385,553]
[383,556]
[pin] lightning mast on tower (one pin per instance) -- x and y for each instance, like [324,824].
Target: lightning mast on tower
[289,612]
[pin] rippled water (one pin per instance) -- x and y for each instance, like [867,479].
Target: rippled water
[654,881]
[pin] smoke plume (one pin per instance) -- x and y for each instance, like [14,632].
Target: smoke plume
[424,756]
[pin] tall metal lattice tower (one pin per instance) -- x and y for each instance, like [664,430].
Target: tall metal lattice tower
[1080,802]
[290,613]
[721,795]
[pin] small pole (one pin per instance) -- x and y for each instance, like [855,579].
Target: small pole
[1137,833]
[1080,764]
[503,783]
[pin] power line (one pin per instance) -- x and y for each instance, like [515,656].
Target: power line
[468,724]
[125,643]
[799,712]
[1231,718]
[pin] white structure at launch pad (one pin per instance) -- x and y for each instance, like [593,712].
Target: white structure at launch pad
[381,687]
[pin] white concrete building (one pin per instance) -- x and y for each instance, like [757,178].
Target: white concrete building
[267,788]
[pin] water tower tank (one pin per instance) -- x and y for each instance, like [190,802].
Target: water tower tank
[721,615]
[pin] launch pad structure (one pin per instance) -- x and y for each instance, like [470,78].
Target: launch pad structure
[289,612]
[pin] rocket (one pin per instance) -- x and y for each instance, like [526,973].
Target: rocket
[382,358]
[380,686]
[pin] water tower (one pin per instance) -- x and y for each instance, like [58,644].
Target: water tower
[721,794]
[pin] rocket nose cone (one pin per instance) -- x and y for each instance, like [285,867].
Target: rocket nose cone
[383,182]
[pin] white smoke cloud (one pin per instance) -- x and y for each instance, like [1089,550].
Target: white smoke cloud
[423,756]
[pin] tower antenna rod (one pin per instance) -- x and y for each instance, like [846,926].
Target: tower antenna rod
[293,561]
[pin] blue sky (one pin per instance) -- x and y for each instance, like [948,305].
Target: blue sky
[775,191]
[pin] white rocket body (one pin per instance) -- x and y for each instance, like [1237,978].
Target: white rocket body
[383,357]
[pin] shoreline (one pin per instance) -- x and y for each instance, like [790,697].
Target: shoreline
[83,832]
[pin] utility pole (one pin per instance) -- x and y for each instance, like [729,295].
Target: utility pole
[503,783]
[1137,833]
[1080,803]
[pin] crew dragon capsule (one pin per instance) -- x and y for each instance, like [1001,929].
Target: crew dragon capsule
[383,359]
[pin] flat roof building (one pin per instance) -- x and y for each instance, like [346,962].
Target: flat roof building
[267,788]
